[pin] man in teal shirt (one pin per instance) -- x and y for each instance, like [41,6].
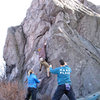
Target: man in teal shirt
[64,82]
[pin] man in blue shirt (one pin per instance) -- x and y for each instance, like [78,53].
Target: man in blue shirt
[64,82]
[32,85]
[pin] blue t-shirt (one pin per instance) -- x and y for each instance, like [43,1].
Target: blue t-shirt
[63,74]
[32,81]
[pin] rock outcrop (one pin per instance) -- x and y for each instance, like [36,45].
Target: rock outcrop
[70,35]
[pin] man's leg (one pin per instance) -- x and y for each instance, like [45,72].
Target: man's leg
[58,93]
[28,94]
[47,67]
[34,91]
[70,94]
[48,72]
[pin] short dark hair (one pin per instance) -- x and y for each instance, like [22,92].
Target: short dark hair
[61,62]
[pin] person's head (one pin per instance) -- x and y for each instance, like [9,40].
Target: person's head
[41,59]
[62,63]
[30,72]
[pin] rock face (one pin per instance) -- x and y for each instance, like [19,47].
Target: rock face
[70,35]
[14,52]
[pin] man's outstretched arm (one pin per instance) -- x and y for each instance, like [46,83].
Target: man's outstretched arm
[54,71]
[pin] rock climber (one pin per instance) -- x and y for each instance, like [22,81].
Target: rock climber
[43,58]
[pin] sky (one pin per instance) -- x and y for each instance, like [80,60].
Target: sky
[12,13]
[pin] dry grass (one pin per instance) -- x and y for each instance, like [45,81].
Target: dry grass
[11,91]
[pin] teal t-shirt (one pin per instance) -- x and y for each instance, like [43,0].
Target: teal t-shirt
[63,74]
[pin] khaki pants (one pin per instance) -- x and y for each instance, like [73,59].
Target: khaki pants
[46,65]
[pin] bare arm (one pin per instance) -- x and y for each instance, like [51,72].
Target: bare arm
[46,58]
[40,67]
[45,47]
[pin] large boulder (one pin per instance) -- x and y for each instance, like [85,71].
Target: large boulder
[70,35]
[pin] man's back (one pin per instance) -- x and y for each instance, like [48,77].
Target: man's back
[63,74]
